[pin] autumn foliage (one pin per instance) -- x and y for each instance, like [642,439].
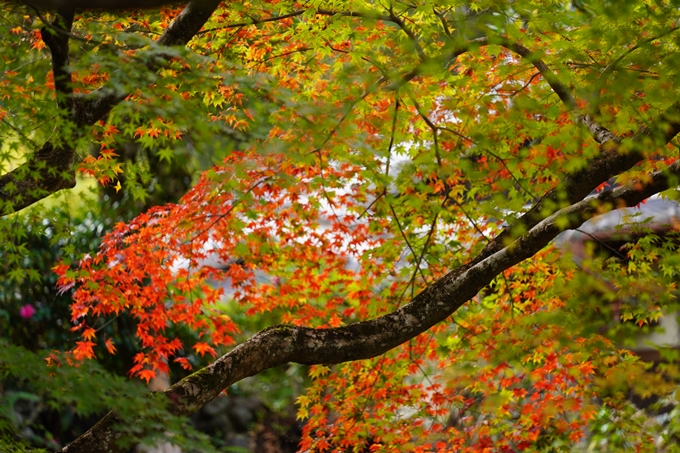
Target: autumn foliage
[362,152]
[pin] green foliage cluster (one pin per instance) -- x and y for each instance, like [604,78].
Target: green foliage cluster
[83,391]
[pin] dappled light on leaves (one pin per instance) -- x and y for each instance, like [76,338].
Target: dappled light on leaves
[381,184]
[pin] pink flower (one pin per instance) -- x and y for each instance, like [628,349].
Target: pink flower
[27,311]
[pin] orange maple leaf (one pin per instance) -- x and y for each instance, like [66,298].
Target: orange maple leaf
[83,350]
[147,375]
[202,348]
[110,347]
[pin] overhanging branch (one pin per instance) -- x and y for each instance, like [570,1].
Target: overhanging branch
[599,133]
[283,344]
[50,169]
[615,156]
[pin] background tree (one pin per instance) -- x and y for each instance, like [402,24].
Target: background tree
[394,167]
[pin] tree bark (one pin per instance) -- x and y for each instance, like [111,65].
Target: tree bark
[282,344]
[50,169]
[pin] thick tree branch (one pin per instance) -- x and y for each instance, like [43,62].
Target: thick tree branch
[283,344]
[46,172]
[51,168]
[58,45]
[93,106]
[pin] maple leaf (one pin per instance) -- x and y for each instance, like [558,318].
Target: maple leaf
[146,374]
[89,333]
[183,362]
[586,368]
[83,350]
[110,346]
[202,348]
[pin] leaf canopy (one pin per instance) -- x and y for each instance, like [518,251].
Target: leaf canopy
[382,179]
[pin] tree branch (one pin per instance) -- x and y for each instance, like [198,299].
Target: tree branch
[255,21]
[51,168]
[611,67]
[92,107]
[326,12]
[416,44]
[615,158]
[598,132]
[52,165]
[58,45]
[279,345]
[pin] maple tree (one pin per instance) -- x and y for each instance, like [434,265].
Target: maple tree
[388,179]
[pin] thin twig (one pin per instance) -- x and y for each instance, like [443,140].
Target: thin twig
[252,22]
[474,224]
[611,67]
[601,242]
[531,79]
[21,133]
[408,244]
[401,24]
[394,128]
[430,124]
[58,29]
[382,194]
[425,247]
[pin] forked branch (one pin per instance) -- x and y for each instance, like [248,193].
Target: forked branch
[53,164]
